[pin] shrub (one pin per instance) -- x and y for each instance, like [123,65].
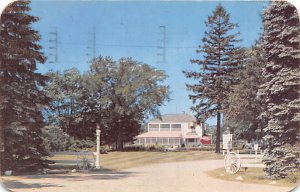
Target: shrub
[135,148]
[145,148]
[85,144]
[55,139]
[105,149]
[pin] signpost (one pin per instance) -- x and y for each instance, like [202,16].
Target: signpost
[227,141]
[232,160]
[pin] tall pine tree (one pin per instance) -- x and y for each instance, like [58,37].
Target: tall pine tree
[280,90]
[21,97]
[221,58]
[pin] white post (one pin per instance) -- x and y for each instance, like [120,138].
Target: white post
[255,148]
[98,132]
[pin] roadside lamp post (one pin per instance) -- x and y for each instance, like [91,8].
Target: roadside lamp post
[98,132]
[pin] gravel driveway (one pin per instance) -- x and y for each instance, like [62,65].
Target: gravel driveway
[169,177]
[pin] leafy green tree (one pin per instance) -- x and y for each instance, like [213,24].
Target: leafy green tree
[221,59]
[117,95]
[280,90]
[96,100]
[137,93]
[65,91]
[244,107]
[21,97]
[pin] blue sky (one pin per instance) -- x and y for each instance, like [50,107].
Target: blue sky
[131,29]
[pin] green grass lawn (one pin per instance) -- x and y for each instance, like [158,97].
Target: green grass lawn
[125,160]
[252,175]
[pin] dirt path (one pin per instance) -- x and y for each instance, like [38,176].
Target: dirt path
[170,177]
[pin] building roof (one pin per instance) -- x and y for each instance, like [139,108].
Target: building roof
[174,118]
[160,134]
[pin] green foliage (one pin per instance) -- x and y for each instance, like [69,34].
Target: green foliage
[280,89]
[104,149]
[221,60]
[55,139]
[20,96]
[244,108]
[117,95]
[145,148]
[65,91]
[137,93]
[281,161]
[85,144]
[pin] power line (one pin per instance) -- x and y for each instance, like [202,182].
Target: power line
[128,45]
[53,46]
[92,44]
[162,47]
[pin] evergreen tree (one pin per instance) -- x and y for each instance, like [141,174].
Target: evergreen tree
[280,90]
[21,98]
[221,58]
[244,107]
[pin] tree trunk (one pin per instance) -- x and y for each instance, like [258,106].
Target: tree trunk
[0,164]
[218,136]
[120,141]
[1,148]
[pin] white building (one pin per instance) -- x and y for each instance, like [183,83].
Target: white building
[172,130]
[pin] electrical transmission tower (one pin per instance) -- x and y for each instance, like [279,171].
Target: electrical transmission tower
[53,41]
[163,43]
[92,44]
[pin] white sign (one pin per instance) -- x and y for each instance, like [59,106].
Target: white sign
[255,147]
[227,141]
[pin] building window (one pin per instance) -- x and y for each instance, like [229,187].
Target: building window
[164,127]
[153,140]
[153,127]
[140,141]
[176,127]
[160,140]
[190,140]
[177,141]
[148,140]
[172,141]
[165,141]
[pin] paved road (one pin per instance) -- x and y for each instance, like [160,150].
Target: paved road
[170,177]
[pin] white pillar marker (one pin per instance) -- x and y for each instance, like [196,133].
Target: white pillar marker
[98,132]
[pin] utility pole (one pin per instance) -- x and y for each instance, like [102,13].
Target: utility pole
[53,41]
[163,43]
[92,44]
